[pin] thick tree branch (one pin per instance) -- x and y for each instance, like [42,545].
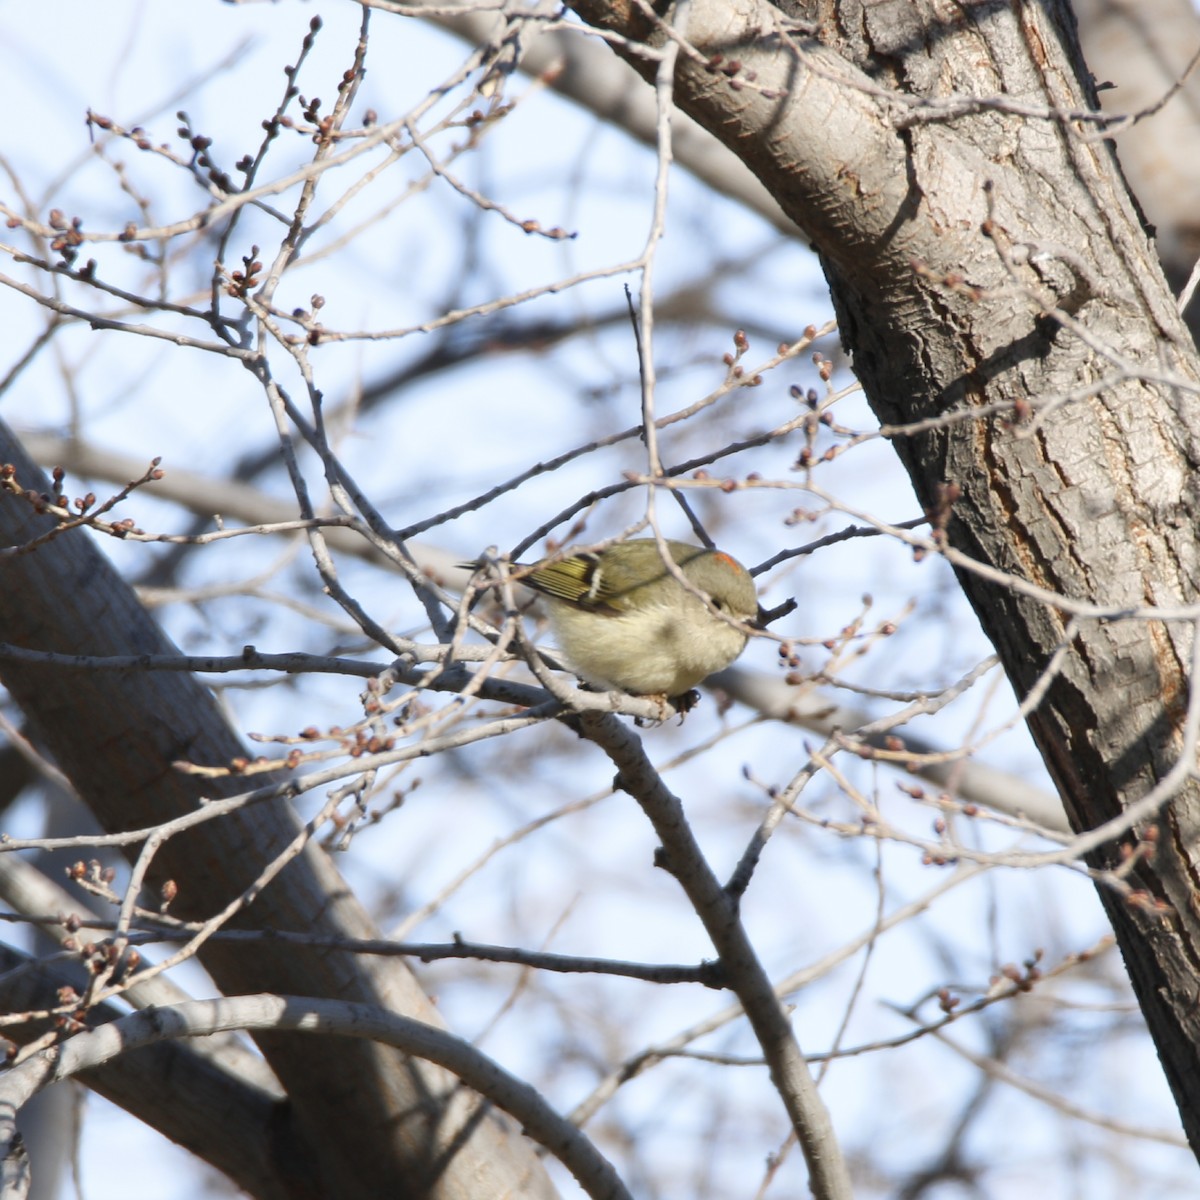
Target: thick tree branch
[116,737]
[234,1125]
[352,1023]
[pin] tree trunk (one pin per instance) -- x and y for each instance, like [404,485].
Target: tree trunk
[993,280]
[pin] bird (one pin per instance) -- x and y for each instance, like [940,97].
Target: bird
[625,623]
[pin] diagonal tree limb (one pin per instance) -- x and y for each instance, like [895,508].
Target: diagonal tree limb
[240,1128]
[407,1130]
[351,1022]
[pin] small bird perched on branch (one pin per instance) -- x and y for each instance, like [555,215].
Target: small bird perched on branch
[625,622]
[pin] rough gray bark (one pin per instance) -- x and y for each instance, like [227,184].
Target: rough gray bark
[959,239]
[401,1127]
